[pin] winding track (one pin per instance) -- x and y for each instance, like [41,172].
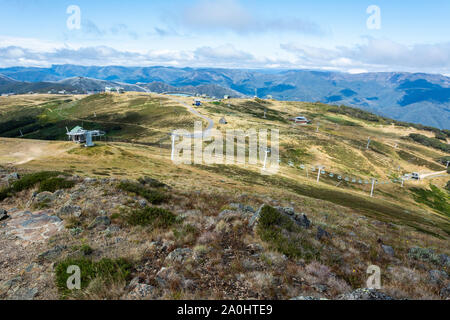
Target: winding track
[206,133]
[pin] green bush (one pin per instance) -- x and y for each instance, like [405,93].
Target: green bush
[154,196]
[47,179]
[155,217]
[107,270]
[441,136]
[53,184]
[284,235]
[435,198]
[5,193]
[28,181]
[430,142]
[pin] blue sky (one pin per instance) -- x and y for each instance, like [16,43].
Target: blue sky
[324,34]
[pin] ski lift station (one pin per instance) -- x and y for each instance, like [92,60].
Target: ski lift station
[79,135]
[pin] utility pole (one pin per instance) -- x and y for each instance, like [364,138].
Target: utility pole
[373,185]
[265,158]
[318,125]
[403,181]
[265,111]
[368,144]
[173,147]
[318,174]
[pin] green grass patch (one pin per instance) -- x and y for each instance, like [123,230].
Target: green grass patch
[154,196]
[434,198]
[53,184]
[154,217]
[284,235]
[107,270]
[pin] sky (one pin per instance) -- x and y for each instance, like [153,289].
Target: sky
[352,36]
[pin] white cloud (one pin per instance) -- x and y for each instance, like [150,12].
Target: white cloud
[375,55]
[230,15]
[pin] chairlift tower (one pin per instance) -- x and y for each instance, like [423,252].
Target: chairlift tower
[79,135]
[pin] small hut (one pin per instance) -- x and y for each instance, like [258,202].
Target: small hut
[223,121]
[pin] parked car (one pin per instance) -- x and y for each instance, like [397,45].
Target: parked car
[301,120]
[415,176]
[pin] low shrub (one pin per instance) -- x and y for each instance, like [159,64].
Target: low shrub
[154,196]
[284,235]
[107,270]
[28,181]
[53,184]
[155,217]
[435,198]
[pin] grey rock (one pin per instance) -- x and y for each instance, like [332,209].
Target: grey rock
[286,210]
[69,211]
[6,285]
[226,213]
[322,233]
[445,260]
[90,180]
[179,255]
[437,277]
[303,221]
[58,193]
[44,197]
[101,221]
[307,298]
[52,254]
[13,176]
[445,292]
[167,275]
[388,250]
[255,217]
[365,294]
[24,294]
[143,203]
[3,214]
[320,288]
[142,290]
[241,207]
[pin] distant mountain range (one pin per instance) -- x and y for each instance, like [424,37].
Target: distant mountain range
[419,98]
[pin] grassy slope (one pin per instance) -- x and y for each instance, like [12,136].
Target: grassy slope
[339,145]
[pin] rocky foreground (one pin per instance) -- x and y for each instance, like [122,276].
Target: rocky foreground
[161,243]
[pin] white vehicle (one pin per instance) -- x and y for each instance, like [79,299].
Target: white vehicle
[415,176]
[301,120]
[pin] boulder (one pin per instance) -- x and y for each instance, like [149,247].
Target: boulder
[307,298]
[13,176]
[44,197]
[3,214]
[100,222]
[179,255]
[255,217]
[286,210]
[322,233]
[69,211]
[24,294]
[437,277]
[365,294]
[166,276]
[388,250]
[303,221]
[445,292]
[52,254]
